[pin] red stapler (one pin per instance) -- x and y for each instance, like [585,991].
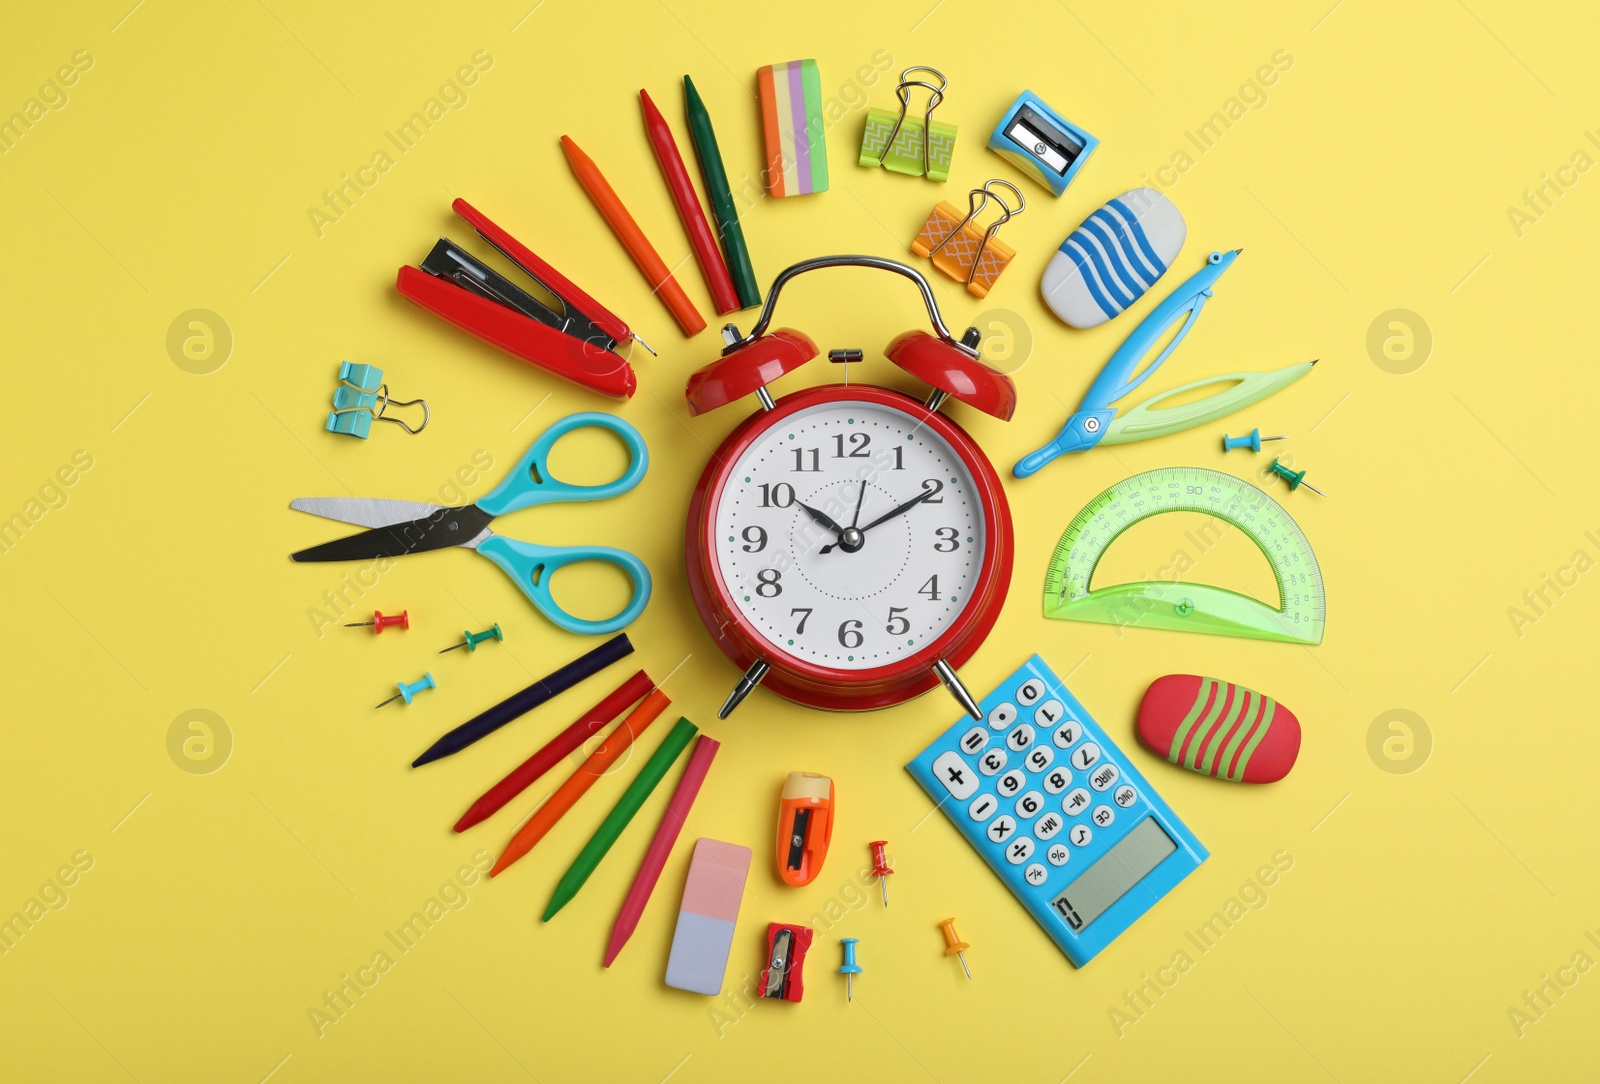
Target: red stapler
[577,343]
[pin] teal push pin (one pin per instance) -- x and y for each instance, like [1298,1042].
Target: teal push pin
[1253,441]
[407,691]
[1293,477]
[473,639]
[850,968]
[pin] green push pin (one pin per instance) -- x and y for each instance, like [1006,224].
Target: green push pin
[473,639]
[1294,478]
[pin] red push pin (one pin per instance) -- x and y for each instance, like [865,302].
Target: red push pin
[880,867]
[379,622]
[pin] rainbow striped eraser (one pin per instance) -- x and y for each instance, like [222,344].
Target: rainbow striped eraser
[1219,729]
[706,918]
[792,128]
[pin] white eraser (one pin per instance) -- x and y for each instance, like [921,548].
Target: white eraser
[1114,257]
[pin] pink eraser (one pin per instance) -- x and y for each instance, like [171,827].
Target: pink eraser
[706,918]
[1218,728]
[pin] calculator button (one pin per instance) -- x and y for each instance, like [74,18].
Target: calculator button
[1011,782]
[1035,874]
[1103,815]
[1057,781]
[1039,758]
[1020,737]
[1029,804]
[990,763]
[1001,829]
[1080,835]
[1102,777]
[1076,801]
[1125,796]
[1057,855]
[1048,826]
[983,807]
[1002,716]
[1030,692]
[974,740]
[1019,851]
[953,772]
[1067,733]
[1049,713]
[1085,756]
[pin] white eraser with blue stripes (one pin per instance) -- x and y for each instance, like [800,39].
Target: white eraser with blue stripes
[1114,257]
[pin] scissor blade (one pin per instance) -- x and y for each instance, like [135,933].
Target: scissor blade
[364,511]
[446,527]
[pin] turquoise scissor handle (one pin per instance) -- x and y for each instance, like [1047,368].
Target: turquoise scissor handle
[533,567]
[530,483]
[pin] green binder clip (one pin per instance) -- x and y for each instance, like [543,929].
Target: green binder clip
[919,148]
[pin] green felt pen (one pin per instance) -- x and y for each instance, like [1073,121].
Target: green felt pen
[722,208]
[611,828]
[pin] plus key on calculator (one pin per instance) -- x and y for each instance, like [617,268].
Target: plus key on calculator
[1058,811]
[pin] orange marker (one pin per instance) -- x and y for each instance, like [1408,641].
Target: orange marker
[578,783]
[644,255]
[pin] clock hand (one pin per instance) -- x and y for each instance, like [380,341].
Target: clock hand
[900,509]
[860,498]
[850,538]
[822,518]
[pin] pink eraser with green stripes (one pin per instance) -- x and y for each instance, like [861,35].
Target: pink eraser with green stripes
[1219,729]
[792,128]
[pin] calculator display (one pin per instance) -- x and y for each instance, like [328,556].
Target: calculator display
[1123,866]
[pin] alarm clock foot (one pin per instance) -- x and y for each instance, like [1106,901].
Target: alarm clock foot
[957,690]
[752,678]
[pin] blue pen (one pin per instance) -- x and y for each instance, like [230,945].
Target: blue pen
[1095,420]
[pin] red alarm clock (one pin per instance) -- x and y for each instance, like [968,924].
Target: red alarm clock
[848,545]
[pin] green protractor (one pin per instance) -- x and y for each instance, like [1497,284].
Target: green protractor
[1188,607]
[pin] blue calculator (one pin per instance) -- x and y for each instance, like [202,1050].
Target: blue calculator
[1058,812]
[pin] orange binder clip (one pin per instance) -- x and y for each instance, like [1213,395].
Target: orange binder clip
[805,825]
[960,248]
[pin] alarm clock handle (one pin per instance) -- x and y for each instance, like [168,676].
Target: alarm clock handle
[877,263]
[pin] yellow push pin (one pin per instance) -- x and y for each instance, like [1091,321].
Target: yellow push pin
[953,945]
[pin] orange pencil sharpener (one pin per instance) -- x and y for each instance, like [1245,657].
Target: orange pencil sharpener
[805,825]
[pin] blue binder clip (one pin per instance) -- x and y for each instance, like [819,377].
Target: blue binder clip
[363,396]
[1041,142]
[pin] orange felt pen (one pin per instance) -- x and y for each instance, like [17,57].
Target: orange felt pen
[645,257]
[578,783]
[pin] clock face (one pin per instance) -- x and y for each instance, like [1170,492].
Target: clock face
[899,564]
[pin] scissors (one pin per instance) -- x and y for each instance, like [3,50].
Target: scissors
[396,528]
[1095,420]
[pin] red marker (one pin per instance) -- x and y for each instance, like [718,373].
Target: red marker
[523,775]
[689,209]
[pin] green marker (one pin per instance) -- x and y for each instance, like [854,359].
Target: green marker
[722,209]
[621,813]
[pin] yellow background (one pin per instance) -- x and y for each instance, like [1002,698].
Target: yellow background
[1426,895]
